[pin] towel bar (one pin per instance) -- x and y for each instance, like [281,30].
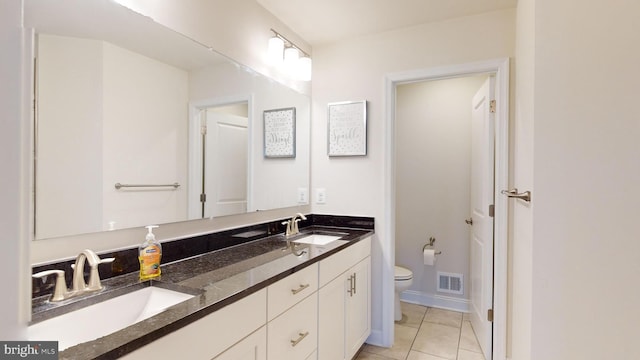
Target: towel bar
[119,186]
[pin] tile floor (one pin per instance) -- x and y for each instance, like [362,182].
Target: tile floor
[428,334]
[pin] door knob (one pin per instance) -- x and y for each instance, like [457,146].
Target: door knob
[469,221]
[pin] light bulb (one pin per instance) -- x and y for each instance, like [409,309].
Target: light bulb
[291,56]
[304,68]
[276,47]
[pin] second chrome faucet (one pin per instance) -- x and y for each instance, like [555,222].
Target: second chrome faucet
[292,224]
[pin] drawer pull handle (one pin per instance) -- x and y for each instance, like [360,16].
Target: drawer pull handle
[302,287]
[302,336]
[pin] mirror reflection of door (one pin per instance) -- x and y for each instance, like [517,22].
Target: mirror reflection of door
[225,159]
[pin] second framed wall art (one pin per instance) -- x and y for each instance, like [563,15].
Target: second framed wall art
[347,128]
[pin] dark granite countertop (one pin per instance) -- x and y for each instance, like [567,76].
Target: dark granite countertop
[216,278]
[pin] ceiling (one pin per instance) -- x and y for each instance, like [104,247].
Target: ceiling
[326,21]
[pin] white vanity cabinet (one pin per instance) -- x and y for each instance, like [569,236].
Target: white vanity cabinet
[217,334]
[344,302]
[320,312]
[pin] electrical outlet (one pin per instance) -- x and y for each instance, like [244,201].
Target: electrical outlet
[321,196]
[303,195]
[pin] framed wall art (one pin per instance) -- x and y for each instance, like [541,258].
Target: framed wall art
[347,128]
[280,133]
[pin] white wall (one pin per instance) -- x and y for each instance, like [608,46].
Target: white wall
[240,29]
[69,130]
[433,180]
[145,129]
[15,183]
[354,69]
[107,115]
[586,249]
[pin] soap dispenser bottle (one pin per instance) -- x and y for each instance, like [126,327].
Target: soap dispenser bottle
[149,254]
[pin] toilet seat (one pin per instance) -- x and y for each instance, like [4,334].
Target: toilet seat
[403,274]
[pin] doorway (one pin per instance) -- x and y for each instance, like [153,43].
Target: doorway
[499,70]
[225,134]
[219,161]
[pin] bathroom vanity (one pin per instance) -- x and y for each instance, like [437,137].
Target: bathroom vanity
[267,297]
[251,292]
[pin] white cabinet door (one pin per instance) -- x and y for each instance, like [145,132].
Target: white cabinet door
[344,320]
[331,320]
[358,304]
[253,347]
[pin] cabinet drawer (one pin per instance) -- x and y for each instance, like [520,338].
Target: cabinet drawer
[289,291]
[294,334]
[211,335]
[340,262]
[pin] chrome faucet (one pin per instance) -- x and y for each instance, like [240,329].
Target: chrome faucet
[79,287]
[292,224]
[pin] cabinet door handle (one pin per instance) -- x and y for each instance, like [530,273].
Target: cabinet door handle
[302,287]
[355,286]
[350,291]
[302,336]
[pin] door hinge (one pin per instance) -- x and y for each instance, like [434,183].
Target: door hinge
[203,198]
[490,315]
[492,210]
[492,106]
[203,130]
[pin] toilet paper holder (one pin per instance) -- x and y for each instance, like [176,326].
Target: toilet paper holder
[432,240]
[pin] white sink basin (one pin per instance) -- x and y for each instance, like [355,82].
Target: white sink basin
[317,239]
[104,318]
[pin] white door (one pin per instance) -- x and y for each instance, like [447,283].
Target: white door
[225,159]
[482,189]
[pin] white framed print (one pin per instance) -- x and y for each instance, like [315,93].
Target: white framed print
[280,133]
[347,128]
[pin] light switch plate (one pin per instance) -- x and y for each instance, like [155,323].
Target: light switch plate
[303,195]
[321,196]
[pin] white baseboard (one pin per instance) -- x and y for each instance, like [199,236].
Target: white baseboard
[436,301]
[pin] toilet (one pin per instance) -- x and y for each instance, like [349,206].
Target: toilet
[403,280]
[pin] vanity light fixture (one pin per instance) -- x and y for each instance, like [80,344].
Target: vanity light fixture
[296,61]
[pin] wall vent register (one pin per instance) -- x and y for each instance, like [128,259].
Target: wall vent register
[450,283]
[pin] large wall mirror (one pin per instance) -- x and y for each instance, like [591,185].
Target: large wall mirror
[136,124]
